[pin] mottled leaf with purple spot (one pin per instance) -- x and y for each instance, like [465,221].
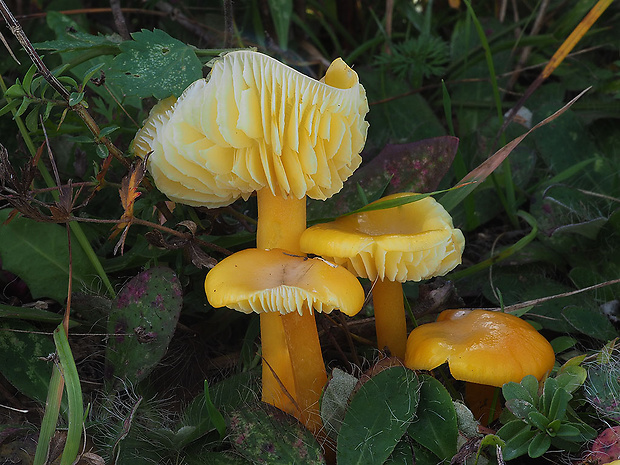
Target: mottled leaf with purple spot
[264,434]
[413,167]
[143,318]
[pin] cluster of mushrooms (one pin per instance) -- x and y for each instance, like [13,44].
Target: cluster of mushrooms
[256,125]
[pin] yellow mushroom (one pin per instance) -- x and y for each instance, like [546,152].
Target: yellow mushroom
[257,125]
[481,347]
[275,281]
[410,242]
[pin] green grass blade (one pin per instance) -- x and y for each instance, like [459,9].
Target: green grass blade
[74,397]
[510,202]
[50,418]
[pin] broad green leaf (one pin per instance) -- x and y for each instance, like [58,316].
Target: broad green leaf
[538,420]
[378,416]
[262,432]
[520,408]
[539,445]
[38,253]
[512,391]
[590,321]
[154,64]
[516,444]
[435,426]
[559,403]
[403,455]
[571,378]
[21,365]
[143,318]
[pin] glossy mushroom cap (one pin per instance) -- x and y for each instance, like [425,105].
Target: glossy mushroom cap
[410,242]
[480,346]
[255,123]
[257,280]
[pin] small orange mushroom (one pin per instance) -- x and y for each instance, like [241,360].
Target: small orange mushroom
[410,242]
[482,347]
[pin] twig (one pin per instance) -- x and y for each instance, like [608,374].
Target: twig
[119,19]
[531,303]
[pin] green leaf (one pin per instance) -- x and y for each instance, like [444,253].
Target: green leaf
[378,416]
[20,352]
[32,120]
[143,318]
[516,444]
[226,395]
[562,343]
[559,403]
[590,321]
[102,151]
[15,91]
[13,104]
[23,107]
[29,313]
[567,431]
[520,408]
[514,390]
[107,131]
[38,254]
[539,445]
[538,420]
[551,385]
[262,432]
[28,79]
[571,378]
[214,414]
[75,98]
[154,64]
[435,426]
[74,396]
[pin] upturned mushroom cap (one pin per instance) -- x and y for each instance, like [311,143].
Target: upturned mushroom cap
[410,242]
[480,346]
[257,280]
[255,123]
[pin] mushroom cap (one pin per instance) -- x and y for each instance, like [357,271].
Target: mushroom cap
[410,242]
[480,346]
[255,123]
[257,280]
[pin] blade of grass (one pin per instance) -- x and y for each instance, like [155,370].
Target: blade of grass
[402,200]
[475,177]
[76,228]
[216,417]
[74,396]
[50,418]
[509,200]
